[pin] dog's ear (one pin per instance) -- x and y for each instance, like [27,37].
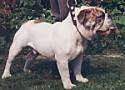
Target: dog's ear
[81,16]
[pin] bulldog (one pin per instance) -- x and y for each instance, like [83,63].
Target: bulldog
[62,41]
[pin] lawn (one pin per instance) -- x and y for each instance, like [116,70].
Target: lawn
[104,73]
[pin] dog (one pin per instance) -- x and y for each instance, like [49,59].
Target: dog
[62,41]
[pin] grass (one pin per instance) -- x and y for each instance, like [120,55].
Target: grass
[104,73]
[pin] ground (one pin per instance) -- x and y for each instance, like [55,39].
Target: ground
[104,73]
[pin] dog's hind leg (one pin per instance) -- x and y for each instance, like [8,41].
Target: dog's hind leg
[13,51]
[29,58]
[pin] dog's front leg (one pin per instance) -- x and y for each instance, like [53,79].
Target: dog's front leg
[62,65]
[77,66]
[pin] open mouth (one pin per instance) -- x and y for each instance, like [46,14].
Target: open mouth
[107,31]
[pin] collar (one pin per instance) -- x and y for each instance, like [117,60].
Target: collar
[71,6]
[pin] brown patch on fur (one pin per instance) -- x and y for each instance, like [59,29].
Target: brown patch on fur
[91,14]
[37,20]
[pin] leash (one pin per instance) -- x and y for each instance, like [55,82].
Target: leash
[71,5]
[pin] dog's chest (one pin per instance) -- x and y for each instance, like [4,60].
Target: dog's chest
[77,49]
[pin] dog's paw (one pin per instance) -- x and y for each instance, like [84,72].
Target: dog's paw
[6,75]
[73,85]
[80,78]
[69,86]
[27,71]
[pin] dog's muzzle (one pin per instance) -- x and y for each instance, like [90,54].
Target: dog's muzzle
[112,29]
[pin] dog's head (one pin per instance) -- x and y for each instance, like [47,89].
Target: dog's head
[96,20]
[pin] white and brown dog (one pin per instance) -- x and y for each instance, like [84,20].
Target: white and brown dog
[61,41]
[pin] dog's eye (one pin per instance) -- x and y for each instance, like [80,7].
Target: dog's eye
[100,16]
[99,19]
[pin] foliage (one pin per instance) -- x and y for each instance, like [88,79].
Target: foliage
[15,12]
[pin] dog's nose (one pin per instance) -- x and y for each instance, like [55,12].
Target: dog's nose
[114,29]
